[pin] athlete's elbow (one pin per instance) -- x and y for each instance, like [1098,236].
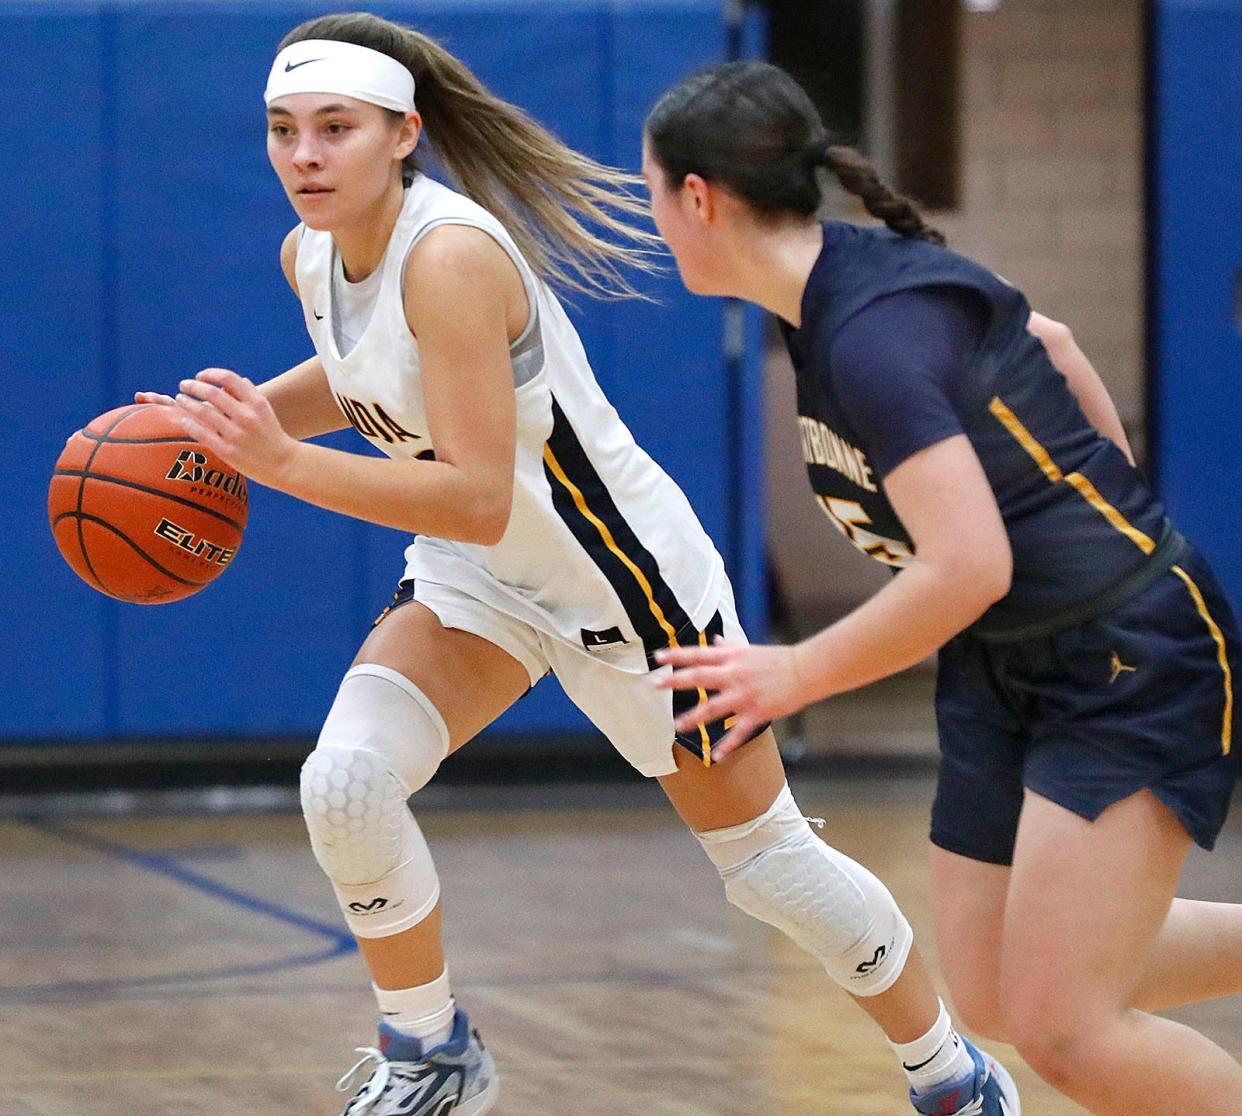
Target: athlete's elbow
[992,577]
[490,534]
[978,581]
[1059,336]
[490,520]
[1058,341]
[1002,581]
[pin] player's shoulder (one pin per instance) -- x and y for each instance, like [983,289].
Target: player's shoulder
[457,269]
[456,248]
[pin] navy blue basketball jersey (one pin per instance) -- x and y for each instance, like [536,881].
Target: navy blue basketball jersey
[1078,515]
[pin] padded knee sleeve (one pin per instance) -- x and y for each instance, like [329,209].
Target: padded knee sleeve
[382,740]
[775,869]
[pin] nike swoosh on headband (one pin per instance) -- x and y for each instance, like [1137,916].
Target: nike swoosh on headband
[294,65]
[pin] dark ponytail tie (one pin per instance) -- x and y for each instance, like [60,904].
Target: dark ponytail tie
[815,153]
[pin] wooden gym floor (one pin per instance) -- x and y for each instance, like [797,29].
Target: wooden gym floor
[178,965]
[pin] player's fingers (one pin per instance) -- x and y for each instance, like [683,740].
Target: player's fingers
[156,397]
[236,386]
[689,678]
[713,709]
[737,735]
[691,656]
[203,413]
[201,432]
[212,395]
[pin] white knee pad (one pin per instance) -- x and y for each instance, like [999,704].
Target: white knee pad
[382,741]
[777,870]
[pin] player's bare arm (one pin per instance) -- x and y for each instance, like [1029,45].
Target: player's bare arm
[460,321]
[1082,378]
[962,565]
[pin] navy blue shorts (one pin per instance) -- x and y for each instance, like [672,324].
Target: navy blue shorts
[1140,697]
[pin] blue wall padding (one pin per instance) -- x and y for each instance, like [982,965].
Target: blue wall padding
[55,646]
[141,244]
[1197,239]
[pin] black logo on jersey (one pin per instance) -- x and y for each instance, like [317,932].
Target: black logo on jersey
[870,966]
[294,65]
[372,421]
[376,904]
[191,467]
[188,541]
[593,640]
[318,316]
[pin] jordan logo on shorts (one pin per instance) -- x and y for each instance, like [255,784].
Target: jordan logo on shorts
[1118,668]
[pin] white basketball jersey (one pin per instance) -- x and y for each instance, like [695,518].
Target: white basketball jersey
[602,549]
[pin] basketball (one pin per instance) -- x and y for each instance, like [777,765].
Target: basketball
[141,511]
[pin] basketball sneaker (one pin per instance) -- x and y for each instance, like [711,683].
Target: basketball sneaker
[456,1078]
[989,1092]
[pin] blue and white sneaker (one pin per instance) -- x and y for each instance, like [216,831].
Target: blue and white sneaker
[457,1078]
[989,1092]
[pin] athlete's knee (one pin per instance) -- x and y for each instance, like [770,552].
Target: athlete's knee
[776,869]
[1056,1031]
[1060,1051]
[382,741]
[379,711]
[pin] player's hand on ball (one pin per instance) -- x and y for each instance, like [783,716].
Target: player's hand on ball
[232,418]
[158,398]
[753,683]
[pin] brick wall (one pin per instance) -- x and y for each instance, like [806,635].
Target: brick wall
[1052,170]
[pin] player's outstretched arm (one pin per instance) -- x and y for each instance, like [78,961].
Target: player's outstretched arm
[962,565]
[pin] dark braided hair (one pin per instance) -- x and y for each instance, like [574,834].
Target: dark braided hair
[752,128]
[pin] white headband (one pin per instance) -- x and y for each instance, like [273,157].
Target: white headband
[328,66]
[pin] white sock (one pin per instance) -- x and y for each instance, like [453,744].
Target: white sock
[936,1058]
[425,1012]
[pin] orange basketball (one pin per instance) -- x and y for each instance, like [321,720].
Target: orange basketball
[141,511]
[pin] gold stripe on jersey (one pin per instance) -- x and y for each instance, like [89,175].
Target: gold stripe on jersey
[1091,494]
[704,736]
[1222,657]
[1077,481]
[606,535]
[1026,439]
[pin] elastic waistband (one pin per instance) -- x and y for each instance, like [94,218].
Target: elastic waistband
[1170,550]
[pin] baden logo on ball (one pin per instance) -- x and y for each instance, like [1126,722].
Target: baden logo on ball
[141,511]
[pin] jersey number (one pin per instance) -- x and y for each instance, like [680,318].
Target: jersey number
[850,519]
